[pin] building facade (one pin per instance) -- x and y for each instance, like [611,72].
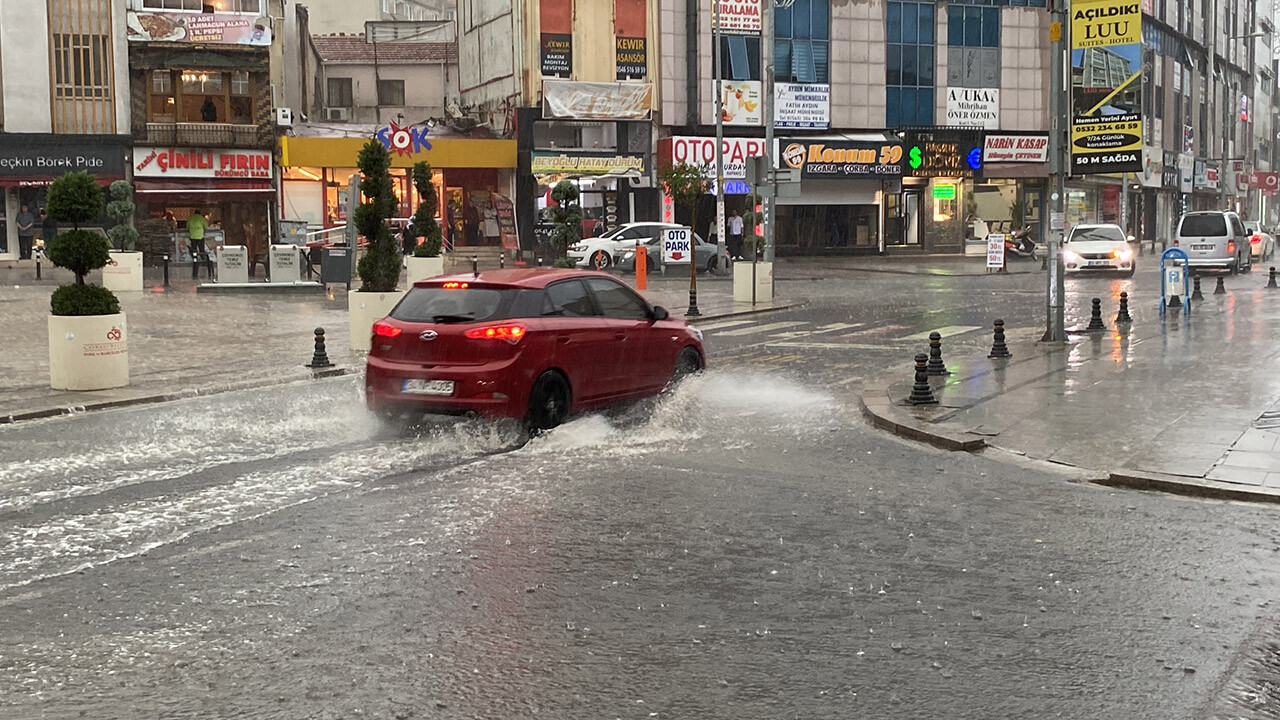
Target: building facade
[376,82]
[64,101]
[330,17]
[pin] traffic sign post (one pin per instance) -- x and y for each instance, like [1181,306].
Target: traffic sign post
[1175,278]
[677,249]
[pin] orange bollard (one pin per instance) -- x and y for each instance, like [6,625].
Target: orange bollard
[642,268]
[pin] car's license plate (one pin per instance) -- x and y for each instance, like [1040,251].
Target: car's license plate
[1201,247]
[414,386]
[1099,263]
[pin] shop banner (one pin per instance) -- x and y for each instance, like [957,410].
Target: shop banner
[739,17]
[632,58]
[973,107]
[1152,174]
[1268,182]
[168,162]
[32,156]
[742,104]
[204,28]
[1186,172]
[1106,60]
[955,155]
[565,100]
[702,151]
[822,159]
[557,54]
[1016,148]
[799,105]
[574,163]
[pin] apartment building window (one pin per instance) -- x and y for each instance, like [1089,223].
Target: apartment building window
[391,93]
[802,35]
[209,6]
[740,58]
[80,65]
[340,94]
[192,96]
[909,64]
[973,26]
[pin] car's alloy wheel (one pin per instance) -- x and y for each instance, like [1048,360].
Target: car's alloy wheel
[548,401]
[688,363]
[602,260]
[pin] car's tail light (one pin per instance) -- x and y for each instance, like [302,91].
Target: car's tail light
[455,286]
[511,333]
[1231,246]
[1175,242]
[382,329]
[1255,239]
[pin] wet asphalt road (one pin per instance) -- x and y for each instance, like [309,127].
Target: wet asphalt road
[745,547]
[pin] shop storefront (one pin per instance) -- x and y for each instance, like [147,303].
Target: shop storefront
[29,162]
[945,170]
[602,179]
[844,183]
[702,151]
[1010,194]
[233,189]
[472,179]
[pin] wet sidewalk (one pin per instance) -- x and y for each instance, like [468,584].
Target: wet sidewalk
[1189,404]
[183,343]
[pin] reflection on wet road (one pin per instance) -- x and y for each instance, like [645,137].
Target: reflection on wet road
[742,547]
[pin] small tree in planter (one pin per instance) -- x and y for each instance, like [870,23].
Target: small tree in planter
[686,183]
[567,216]
[123,234]
[379,269]
[83,315]
[426,261]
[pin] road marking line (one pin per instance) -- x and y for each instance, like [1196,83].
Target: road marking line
[724,324]
[945,332]
[761,329]
[827,346]
[838,326]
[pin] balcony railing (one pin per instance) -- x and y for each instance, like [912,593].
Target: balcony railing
[204,135]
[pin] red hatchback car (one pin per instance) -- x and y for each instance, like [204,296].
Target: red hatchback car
[538,344]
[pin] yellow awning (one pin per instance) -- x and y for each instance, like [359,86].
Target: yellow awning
[444,153]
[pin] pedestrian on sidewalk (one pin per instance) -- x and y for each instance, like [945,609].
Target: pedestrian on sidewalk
[26,232]
[48,229]
[735,236]
[196,225]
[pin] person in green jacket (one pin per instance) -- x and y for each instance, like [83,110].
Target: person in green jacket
[196,225]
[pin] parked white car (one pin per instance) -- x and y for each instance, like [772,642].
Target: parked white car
[608,249]
[1098,247]
[1262,245]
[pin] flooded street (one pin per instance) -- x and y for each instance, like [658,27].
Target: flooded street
[743,547]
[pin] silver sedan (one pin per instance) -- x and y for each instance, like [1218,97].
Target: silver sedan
[704,254]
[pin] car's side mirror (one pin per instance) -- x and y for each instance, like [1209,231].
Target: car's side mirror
[1132,238]
[660,313]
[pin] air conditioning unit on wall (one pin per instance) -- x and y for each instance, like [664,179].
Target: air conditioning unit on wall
[337,114]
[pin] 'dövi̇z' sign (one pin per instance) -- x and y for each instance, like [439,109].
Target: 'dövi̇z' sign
[1106,92]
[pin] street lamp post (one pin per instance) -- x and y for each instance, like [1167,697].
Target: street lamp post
[719,72]
[1059,160]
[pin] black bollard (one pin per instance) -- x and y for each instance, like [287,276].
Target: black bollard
[166,270]
[1123,315]
[195,266]
[320,358]
[1195,289]
[1271,282]
[502,260]
[998,348]
[1095,317]
[539,262]
[475,266]
[1273,272]
[936,366]
[921,393]
[1220,289]
[693,310]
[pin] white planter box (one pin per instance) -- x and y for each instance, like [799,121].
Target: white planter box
[742,282]
[88,352]
[123,273]
[363,310]
[421,268]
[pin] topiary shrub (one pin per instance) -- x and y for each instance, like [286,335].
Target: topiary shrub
[567,216]
[83,300]
[121,208]
[565,263]
[379,269]
[76,198]
[424,218]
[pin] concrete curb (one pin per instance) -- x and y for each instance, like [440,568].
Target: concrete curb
[880,408]
[14,418]
[740,313]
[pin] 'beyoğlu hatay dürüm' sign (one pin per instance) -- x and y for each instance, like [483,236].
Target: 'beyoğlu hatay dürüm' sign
[198,163]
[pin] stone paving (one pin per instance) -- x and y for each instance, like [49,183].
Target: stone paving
[1193,397]
[182,342]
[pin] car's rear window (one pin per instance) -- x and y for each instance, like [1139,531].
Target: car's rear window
[462,305]
[1203,226]
[1097,234]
